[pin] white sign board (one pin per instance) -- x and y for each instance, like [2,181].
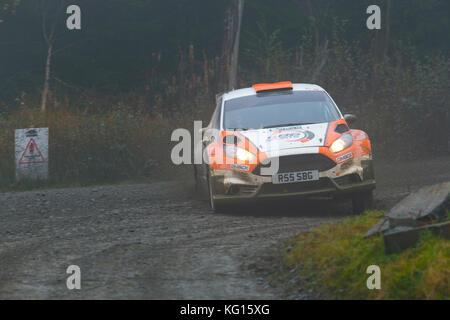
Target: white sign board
[32,154]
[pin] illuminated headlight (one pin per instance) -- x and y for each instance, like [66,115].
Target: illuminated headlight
[239,153]
[342,143]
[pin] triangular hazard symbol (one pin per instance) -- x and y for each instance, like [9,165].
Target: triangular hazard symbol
[32,154]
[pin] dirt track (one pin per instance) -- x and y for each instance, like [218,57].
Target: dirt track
[157,241]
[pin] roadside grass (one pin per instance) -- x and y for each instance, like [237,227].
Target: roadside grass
[90,147]
[332,262]
[104,139]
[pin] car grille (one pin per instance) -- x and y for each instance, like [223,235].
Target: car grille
[243,190]
[301,162]
[321,184]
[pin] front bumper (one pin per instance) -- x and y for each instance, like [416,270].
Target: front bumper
[352,176]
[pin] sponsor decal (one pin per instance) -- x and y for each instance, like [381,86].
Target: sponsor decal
[240,167]
[344,157]
[291,135]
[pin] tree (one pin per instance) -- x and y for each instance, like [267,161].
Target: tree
[388,29]
[239,11]
[321,45]
[51,12]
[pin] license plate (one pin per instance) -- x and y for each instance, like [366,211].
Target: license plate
[292,177]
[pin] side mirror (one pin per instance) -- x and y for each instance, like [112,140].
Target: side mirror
[207,139]
[350,118]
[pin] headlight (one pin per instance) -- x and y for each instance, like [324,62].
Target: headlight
[342,143]
[239,153]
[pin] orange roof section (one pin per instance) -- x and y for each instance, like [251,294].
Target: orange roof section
[272,86]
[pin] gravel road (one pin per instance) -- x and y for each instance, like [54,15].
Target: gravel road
[160,241]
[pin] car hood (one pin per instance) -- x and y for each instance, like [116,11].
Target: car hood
[284,138]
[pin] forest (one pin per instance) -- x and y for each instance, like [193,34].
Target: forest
[113,91]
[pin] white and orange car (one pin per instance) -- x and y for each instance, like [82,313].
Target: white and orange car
[284,140]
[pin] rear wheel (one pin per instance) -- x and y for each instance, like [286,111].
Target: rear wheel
[196,178]
[362,201]
[201,183]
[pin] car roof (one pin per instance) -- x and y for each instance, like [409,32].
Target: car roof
[251,91]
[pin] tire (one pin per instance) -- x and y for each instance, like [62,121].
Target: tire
[215,206]
[201,187]
[196,178]
[362,201]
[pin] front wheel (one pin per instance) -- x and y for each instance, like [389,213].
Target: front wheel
[215,206]
[362,201]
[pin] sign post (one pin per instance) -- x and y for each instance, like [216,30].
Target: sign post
[31,149]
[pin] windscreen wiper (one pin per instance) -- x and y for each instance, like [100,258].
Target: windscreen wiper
[237,129]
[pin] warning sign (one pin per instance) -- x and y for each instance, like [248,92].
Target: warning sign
[31,153]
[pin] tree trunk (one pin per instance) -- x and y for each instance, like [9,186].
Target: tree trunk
[316,28]
[47,78]
[388,29]
[235,55]
[321,61]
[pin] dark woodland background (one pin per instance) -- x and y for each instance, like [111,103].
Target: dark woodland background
[138,69]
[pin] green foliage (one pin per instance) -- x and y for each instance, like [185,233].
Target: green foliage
[8,6]
[124,43]
[169,54]
[91,146]
[334,259]
[96,139]
[121,45]
[401,102]
[265,51]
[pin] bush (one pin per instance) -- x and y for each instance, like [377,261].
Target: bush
[89,146]
[333,260]
[400,101]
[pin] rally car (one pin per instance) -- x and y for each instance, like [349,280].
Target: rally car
[284,140]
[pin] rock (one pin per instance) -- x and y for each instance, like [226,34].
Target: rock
[425,206]
[423,210]
[401,238]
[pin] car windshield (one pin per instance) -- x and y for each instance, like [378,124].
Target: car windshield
[279,110]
